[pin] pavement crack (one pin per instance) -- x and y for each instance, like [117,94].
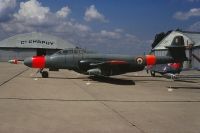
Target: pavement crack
[43,99]
[111,109]
[88,100]
[123,117]
[13,77]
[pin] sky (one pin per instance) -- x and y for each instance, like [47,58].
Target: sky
[105,26]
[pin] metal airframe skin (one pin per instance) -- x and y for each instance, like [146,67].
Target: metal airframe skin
[96,64]
[105,64]
[82,62]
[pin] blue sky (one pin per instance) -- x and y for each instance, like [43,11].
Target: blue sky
[108,26]
[140,17]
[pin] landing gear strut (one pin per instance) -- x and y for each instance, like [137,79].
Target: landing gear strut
[44,74]
[153,74]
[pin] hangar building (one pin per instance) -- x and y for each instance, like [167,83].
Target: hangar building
[25,45]
[192,43]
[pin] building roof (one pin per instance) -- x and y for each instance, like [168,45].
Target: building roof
[189,38]
[35,40]
[194,36]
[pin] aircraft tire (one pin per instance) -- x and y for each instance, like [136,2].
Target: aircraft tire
[45,74]
[153,74]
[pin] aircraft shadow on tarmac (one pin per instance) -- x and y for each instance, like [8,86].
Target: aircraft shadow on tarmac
[67,78]
[99,79]
[184,87]
[61,77]
[138,76]
[111,80]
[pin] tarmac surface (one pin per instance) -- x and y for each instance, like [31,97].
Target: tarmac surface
[69,102]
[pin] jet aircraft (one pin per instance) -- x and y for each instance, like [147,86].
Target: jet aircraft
[104,64]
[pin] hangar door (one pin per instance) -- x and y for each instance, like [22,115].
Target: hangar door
[41,52]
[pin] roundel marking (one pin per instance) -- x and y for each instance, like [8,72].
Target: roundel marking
[140,60]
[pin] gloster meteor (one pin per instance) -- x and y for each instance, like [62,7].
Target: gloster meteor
[104,64]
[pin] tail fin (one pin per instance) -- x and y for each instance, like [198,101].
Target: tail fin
[177,49]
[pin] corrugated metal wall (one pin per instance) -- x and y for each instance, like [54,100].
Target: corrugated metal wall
[51,51]
[195,63]
[8,54]
[160,52]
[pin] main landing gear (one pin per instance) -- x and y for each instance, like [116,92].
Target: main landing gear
[44,74]
[153,74]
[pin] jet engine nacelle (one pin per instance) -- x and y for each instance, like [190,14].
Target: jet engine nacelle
[95,71]
[85,65]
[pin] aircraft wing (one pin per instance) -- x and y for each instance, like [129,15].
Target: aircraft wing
[110,63]
[110,67]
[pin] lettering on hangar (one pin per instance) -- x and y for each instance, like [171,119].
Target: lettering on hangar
[38,42]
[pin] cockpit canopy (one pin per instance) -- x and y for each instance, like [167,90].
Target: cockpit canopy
[70,51]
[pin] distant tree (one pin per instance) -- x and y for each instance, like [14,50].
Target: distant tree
[167,33]
[159,37]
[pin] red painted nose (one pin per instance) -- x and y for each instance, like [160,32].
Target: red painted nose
[35,62]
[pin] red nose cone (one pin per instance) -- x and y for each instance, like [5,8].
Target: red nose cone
[38,61]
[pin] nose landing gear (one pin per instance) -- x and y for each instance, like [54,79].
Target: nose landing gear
[44,74]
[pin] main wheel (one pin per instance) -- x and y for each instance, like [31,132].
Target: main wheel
[153,74]
[45,74]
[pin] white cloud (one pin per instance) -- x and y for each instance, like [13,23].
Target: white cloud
[110,34]
[195,27]
[15,27]
[194,12]
[63,12]
[33,16]
[92,14]
[6,7]
[32,12]
[119,30]
[6,4]
[81,27]
[110,41]
[131,38]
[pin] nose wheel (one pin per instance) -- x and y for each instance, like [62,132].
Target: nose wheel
[44,74]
